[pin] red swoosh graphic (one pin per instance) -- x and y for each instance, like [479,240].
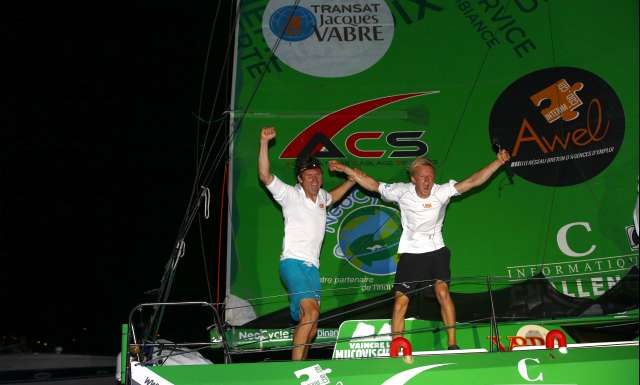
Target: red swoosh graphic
[334,122]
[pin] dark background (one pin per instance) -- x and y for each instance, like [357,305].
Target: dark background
[98,156]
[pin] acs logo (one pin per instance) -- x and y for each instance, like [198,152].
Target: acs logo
[316,138]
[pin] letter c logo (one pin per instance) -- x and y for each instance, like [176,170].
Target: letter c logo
[561,237]
[522,369]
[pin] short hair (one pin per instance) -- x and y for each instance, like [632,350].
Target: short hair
[420,161]
[306,162]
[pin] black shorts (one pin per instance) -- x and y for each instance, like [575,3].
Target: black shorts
[422,270]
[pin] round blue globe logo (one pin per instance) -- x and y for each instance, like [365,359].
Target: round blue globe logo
[369,237]
[292,23]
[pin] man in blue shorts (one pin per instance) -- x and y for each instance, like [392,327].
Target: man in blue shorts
[424,258]
[304,208]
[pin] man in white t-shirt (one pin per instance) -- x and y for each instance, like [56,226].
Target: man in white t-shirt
[424,258]
[304,208]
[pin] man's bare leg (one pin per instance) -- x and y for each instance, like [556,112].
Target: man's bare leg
[399,310]
[309,313]
[447,310]
[312,336]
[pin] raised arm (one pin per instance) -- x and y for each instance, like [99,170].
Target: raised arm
[364,180]
[264,172]
[338,192]
[484,174]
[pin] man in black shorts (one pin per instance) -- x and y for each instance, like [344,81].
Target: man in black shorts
[424,258]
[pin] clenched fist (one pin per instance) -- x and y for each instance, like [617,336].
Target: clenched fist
[267,134]
[503,156]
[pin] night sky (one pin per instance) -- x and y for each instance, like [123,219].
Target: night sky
[98,162]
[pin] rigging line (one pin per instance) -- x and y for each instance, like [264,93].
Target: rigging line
[232,135]
[202,83]
[286,301]
[234,21]
[190,218]
[222,149]
[390,298]
[204,260]
[321,291]
[203,120]
[549,213]
[191,207]
[236,126]
[168,270]
[165,286]
[220,121]
[273,53]
[552,204]
[218,158]
[194,203]
[254,303]
[553,49]
[195,185]
[348,339]
[222,200]
[475,83]
[478,279]
[554,60]
[415,330]
[208,173]
[223,71]
[156,317]
[227,55]
[421,330]
[575,162]
[615,325]
[206,58]
[557,173]
[426,329]
[554,189]
[464,109]
[331,343]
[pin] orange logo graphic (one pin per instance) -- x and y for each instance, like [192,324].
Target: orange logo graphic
[563,101]
[295,25]
[426,205]
[580,137]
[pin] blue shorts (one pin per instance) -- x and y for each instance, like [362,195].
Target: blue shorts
[302,280]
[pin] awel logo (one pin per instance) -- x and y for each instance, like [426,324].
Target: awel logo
[316,138]
[564,125]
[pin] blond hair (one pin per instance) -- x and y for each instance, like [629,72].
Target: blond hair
[420,161]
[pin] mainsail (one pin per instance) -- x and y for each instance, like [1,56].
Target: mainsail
[376,83]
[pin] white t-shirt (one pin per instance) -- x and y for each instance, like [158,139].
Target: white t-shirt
[304,221]
[422,218]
